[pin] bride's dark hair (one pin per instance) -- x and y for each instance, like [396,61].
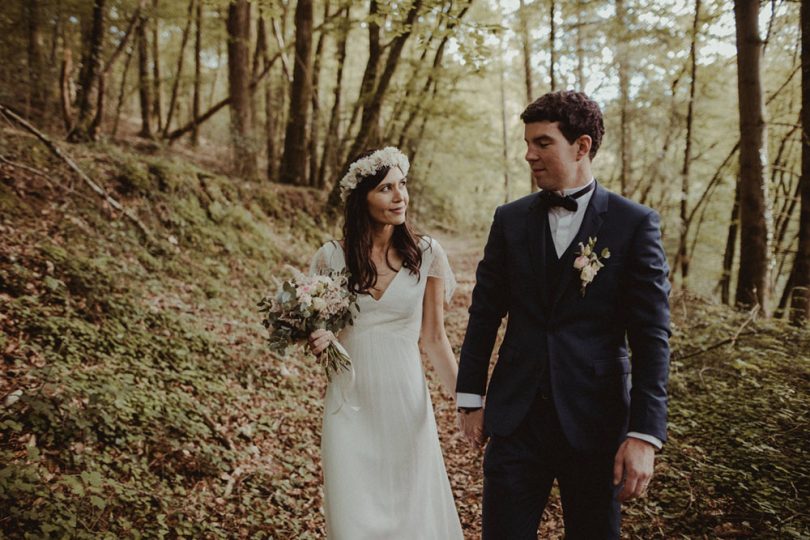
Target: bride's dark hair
[357,235]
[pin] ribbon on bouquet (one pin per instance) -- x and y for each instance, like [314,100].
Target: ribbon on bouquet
[344,387]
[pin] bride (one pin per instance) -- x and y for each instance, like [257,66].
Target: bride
[384,476]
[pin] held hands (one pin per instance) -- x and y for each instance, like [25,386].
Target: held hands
[633,464]
[319,340]
[472,427]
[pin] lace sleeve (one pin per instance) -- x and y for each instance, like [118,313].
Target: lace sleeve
[440,268]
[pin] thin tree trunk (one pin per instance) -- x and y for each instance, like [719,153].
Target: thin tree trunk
[36,63]
[215,78]
[179,72]
[753,280]
[238,26]
[369,78]
[525,38]
[552,45]
[157,100]
[580,48]
[101,95]
[525,41]
[624,99]
[504,136]
[788,293]
[81,130]
[144,89]
[195,101]
[683,255]
[263,49]
[371,114]
[731,246]
[800,306]
[792,193]
[329,158]
[431,78]
[294,160]
[316,106]
[64,89]
[122,91]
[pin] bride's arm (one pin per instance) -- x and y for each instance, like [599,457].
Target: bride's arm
[433,338]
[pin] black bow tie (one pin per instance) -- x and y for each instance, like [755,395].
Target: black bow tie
[550,199]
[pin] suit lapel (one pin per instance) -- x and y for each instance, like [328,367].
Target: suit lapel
[537,222]
[591,223]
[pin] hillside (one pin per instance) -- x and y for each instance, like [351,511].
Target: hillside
[139,399]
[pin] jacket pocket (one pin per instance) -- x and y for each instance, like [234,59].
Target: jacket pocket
[615,366]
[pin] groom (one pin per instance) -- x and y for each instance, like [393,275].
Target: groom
[582,275]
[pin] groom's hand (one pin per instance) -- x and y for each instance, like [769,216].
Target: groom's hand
[472,426]
[633,464]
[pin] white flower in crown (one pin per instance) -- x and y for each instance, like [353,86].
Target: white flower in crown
[389,156]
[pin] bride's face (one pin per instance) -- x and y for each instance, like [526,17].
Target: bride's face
[388,201]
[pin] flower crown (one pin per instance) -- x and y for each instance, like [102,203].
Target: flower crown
[389,156]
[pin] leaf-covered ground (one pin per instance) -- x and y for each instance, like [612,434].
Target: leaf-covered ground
[137,398]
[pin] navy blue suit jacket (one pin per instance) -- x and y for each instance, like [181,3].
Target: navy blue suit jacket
[599,392]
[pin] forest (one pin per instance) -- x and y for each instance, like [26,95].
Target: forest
[163,161]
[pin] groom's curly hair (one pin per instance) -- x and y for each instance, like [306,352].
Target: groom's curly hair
[576,112]
[357,236]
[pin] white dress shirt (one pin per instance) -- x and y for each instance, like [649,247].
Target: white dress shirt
[564,225]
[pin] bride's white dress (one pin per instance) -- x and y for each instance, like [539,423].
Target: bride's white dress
[384,475]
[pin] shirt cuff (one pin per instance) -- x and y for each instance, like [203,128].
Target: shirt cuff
[655,441]
[469,400]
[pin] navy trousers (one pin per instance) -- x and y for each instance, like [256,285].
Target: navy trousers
[520,469]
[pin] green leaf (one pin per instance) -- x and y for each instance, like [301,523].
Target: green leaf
[92,478]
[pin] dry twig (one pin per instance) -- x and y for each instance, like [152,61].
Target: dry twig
[11,115]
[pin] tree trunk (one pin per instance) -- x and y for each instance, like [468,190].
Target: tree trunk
[212,91]
[800,306]
[123,89]
[431,78]
[552,45]
[329,163]
[504,130]
[316,106]
[263,50]
[157,100]
[580,49]
[294,160]
[731,246]
[753,280]
[238,26]
[36,62]
[144,90]
[195,102]
[179,71]
[369,78]
[101,94]
[624,98]
[64,89]
[81,130]
[683,256]
[371,114]
[525,41]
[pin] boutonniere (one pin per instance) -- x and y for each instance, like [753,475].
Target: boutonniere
[588,263]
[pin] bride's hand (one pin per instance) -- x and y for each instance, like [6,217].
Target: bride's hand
[319,340]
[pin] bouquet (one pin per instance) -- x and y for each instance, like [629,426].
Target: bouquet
[304,304]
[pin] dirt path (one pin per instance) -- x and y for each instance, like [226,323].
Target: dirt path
[464,465]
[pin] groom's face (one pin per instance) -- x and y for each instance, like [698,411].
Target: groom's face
[553,160]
